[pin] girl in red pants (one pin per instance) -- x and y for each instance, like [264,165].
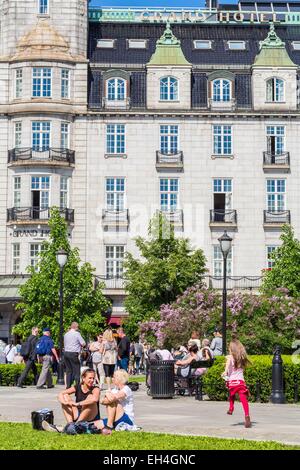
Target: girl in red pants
[234,375]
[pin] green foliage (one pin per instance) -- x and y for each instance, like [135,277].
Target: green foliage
[166,268]
[40,295]
[9,374]
[286,270]
[260,371]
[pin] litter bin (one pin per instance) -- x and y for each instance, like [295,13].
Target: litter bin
[162,379]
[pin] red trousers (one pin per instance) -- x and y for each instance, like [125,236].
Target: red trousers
[238,386]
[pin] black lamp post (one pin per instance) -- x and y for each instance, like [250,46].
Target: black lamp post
[61,258]
[225,243]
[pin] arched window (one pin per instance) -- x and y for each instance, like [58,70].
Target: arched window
[275,90]
[116,89]
[221,90]
[169,89]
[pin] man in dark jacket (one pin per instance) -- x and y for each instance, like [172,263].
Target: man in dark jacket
[30,359]
[123,350]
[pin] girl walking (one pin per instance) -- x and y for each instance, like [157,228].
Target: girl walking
[234,375]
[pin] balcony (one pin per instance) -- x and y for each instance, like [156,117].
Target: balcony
[169,161]
[276,218]
[115,218]
[111,283]
[222,105]
[116,104]
[31,156]
[272,161]
[223,218]
[36,215]
[174,217]
[233,282]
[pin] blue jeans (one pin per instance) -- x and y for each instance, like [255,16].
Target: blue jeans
[123,363]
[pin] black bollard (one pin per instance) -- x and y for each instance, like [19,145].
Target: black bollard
[277,395]
[198,393]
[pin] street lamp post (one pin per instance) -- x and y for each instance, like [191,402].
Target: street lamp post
[225,243]
[61,258]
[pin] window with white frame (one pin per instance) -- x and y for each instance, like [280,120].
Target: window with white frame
[40,189]
[64,135]
[18,134]
[137,43]
[64,192]
[114,258]
[43,7]
[115,194]
[276,195]
[35,250]
[296,45]
[16,258]
[236,45]
[275,90]
[269,261]
[218,262]
[116,89]
[202,44]
[65,84]
[275,139]
[169,194]
[115,138]
[169,139]
[168,89]
[18,83]
[221,90]
[105,43]
[17,191]
[41,82]
[222,135]
[222,193]
[41,135]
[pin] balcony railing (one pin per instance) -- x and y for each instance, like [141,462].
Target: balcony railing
[115,217]
[169,159]
[228,216]
[233,282]
[116,104]
[277,159]
[174,217]
[26,214]
[43,156]
[113,282]
[222,105]
[277,217]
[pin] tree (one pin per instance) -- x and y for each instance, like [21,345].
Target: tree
[40,295]
[286,270]
[168,266]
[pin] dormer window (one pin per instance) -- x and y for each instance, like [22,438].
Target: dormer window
[221,90]
[137,43]
[106,43]
[275,90]
[236,45]
[116,89]
[43,7]
[169,89]
[202,44]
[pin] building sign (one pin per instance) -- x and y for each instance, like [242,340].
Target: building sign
[31,233]
[154,15]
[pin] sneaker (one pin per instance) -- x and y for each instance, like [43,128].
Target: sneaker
[247,422]
[51,386]
[229,412]
[49,427]
[106,430]
[41,387]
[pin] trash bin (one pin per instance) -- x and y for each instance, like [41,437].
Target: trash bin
[162,379]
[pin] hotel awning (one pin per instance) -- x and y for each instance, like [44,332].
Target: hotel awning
[115,321]
[9,287]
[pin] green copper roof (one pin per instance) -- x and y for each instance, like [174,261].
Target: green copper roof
[273,52]
[168,50]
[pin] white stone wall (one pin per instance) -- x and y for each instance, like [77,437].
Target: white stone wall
[259,79]
[183,75]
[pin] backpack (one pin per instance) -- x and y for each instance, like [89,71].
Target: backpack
[134,386]
[25,349]
[41,347]
[81,427]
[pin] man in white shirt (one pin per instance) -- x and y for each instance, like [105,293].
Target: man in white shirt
[10,351]
[73,343]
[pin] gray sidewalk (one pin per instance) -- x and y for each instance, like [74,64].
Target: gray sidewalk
[180,415]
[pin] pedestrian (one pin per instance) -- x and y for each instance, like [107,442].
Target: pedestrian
[44,350]
[123,350]
[96,348]
[195,339]
[10,352]
[109,352]
[138,355]
[73,343]
[236,362]
[28,353]
[217,343]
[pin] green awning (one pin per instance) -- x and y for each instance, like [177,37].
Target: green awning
[9,286]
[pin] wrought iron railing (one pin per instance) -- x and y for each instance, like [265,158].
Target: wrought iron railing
[174,158]
[223,216]
[174,217]
[282,158]
[48,155]
[233,282]
[277,217]
[113,282]
[24,214]
[115,216]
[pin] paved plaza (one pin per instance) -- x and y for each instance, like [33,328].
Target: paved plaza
[180,415]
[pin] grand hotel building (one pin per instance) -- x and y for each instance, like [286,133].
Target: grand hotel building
[112,115]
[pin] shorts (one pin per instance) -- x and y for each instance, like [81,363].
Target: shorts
[124,419]
[109,369]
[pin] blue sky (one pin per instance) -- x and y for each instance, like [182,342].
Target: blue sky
[151,3]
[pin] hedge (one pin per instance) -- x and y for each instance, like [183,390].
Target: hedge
[258,377]
[9,374]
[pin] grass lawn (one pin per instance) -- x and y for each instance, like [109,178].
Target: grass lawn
[16,436]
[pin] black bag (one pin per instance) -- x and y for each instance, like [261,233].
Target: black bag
[134,386]
[82,427]
[42,415]
[25,349]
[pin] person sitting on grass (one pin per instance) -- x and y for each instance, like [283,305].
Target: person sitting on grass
[118,402]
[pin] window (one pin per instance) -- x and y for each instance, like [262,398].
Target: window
[64,192]
[169,89]
[116,89]
[43,7]
[218,262]
[40,191]
[236,45]
[222,200]
[169,140]
[19,83]
[222,140]
[270,251]
[168,194]
[202,44]
[275,139]
[114,256]
[16,258]
[115,138]
[17,191]
[40,136]
[18,134]
[41,82]
[105,43]
[296,45]
[221,90]
[35,250]
[115,194]
[276,195]
[65,83]
[137,43]
[64,135]
[275,90]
